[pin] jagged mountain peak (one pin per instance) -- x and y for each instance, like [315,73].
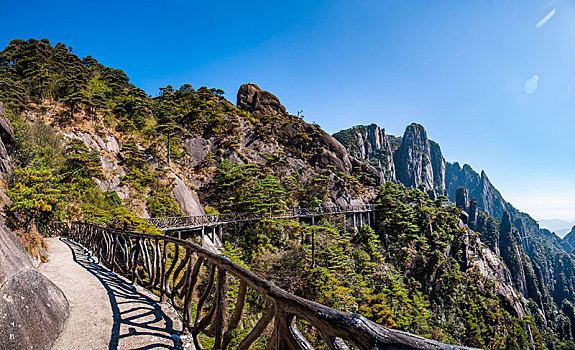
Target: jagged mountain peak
[419,162]
[415,130]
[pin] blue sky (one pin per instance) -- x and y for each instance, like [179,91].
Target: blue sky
[492,81]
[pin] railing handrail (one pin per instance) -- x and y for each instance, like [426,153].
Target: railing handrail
[124,250]
[175,222]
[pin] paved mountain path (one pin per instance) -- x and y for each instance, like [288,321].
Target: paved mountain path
[106,311]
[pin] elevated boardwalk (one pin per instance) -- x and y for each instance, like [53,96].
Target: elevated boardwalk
[185,223]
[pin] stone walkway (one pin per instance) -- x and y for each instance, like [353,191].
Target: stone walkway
[106,311]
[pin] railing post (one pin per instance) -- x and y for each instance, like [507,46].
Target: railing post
[163,278]
[135,261]
[219,320]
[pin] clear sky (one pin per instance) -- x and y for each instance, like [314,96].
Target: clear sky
[492,81]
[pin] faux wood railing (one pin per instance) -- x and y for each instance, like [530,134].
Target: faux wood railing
[196,282]
[179,222]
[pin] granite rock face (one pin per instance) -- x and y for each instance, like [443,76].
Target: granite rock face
[415,163]
[255,100]
[32,308]
[187,199]
[479,256]
[412,160]
[462,198]
[569,240]
[370,143]
[6,143]
[323,149]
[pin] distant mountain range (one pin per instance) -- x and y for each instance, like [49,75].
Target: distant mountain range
[560,227]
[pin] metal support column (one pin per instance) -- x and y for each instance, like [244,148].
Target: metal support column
[313,248]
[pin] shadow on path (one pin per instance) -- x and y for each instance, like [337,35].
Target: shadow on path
[139,322]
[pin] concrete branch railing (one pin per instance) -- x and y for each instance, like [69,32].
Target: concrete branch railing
[196,282]
[181,222]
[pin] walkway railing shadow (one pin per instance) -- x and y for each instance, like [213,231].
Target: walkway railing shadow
[132,310]
[203,287]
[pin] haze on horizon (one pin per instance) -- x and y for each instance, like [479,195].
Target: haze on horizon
[493,83]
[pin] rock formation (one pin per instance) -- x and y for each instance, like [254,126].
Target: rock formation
[371,144]
[477,255]
[32,308]
[415,163]
[413,160]
[462,198]
[569,240]
[6,143]
[255,100]
[187,199]
[305,149]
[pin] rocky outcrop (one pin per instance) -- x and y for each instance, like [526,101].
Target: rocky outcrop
[568,241]
[257,101]
[6,143]
[188,200]
[370,143]
[415,162]
[480,257]
[462,198]
[438,167]
[32,308]
[412,160]
[488,198]
[509,245]
[457,176]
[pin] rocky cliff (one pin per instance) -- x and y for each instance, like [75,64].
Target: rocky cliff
[569,240]
[417,162]
[6,143]
[412,160]
[541,266]
[370,143]
[32,309]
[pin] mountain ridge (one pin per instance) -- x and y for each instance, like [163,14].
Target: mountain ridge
[541,263]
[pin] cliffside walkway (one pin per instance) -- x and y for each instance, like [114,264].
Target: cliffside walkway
[198,283]
[107,311]
[359,214]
